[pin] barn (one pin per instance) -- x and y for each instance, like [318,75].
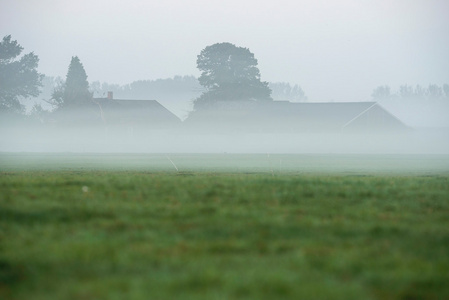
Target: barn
[135,115]
[284,116]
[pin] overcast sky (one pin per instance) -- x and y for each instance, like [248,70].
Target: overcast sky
[336,50]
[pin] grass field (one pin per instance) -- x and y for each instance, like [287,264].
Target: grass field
[223,227]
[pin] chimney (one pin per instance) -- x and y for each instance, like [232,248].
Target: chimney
[110,95]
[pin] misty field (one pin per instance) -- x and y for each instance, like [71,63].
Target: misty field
[85,226]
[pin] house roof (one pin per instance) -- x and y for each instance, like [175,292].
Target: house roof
[284,114]
[135,111]
[335,112]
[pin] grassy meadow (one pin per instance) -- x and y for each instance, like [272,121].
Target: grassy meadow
[223,226]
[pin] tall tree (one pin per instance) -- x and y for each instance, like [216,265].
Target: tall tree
[74,92]
[18,76]
[229,73]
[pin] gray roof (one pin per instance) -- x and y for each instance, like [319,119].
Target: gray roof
[284,115]
[148,112]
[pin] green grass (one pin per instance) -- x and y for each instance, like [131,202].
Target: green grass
[100,233]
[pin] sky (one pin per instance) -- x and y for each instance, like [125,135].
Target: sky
[335,50]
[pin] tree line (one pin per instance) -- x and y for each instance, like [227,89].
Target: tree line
[228,73]
[409,92]
[235,76]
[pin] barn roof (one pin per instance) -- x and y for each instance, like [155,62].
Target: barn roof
[338,113]
[135,112]
[284,115]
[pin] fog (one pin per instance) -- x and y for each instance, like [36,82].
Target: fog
[332,53]
[336,51]
[194,140]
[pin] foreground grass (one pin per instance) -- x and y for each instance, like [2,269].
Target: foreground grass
[138,235]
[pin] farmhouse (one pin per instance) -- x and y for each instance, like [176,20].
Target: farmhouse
[135,114]
[284,116]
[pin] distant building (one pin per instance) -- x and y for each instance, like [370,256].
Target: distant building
[132,115]
[284,116]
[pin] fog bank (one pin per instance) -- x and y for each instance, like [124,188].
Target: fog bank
[98,140]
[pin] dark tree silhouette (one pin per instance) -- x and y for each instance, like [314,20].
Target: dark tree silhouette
[74,92]
[229,73]
[18,76]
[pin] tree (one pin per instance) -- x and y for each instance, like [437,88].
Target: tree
[381,93]
[74,92]
[284,91]
[408,92]
[18,76]
[229,73]
[38,113]
[434,91]
[73,100]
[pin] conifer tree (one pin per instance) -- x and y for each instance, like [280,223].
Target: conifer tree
[74,92]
